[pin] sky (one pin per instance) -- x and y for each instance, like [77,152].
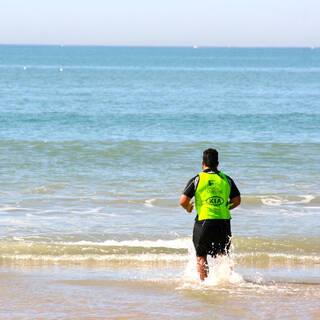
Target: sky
[241,23]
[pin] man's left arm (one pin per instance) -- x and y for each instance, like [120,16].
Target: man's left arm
[234,202]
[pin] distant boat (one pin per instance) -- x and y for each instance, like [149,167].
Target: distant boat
[61,69]
[25,68]
[195,47]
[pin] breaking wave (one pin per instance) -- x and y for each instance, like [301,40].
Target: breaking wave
[256,252]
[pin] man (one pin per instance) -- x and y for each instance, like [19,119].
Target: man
[215,194]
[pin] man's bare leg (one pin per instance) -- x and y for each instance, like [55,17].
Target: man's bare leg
[202,267]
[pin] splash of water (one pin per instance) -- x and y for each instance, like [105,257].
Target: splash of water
[221,272]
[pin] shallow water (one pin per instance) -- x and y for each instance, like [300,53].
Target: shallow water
[150,292]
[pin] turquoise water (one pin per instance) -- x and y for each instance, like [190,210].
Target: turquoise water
[97,144]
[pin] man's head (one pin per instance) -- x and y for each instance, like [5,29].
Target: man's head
[210,158]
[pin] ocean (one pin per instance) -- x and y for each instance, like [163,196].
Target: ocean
[96,147]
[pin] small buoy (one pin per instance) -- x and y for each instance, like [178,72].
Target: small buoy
[61,69]
[24,68]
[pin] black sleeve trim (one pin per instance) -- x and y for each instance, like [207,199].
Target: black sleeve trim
[234,189]
[191,186]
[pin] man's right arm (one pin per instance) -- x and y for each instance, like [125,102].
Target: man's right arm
[186,203]
[188,194]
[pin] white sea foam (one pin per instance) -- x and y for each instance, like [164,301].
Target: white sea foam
[148,203]
[307,199]
[18,238]
[283,256]
[221,270]
[258,278]
[52,211]
[8,208]
[272,201]
[181,243]
[150,257]
[94,210]
[278,201]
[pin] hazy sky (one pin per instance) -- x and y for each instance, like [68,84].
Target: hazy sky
[161,22]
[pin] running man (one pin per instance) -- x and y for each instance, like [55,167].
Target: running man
[215,194]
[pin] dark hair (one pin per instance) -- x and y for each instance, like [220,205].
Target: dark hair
[210,158]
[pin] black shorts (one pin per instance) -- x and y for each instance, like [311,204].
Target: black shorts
[212,237]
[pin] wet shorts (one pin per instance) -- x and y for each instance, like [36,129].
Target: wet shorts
[212,237]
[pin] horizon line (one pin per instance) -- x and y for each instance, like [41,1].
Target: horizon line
[158,46]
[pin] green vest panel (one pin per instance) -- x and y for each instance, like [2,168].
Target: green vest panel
[212,196]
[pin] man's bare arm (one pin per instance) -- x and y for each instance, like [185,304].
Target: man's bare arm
[186,203]
[235,202]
